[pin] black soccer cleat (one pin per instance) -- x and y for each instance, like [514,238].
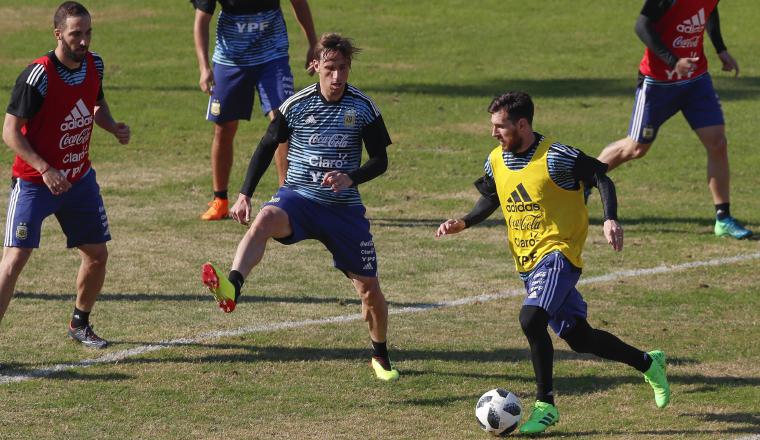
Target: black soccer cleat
[87,337]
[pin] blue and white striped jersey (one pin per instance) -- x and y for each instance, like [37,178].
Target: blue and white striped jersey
[250,39]
[327,136]
[561,160]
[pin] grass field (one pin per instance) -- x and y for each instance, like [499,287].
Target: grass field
[432,67]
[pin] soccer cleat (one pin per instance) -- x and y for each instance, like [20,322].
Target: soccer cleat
[220,287]
[219,209]
[543,416]
[383,374]
[730,227]
[655,376]
[87,337]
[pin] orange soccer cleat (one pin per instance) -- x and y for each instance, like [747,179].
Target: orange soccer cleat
[219,209]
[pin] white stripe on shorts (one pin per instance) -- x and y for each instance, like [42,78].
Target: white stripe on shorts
[12,201]
[638,114]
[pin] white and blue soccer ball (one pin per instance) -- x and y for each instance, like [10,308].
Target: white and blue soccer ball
[498,412]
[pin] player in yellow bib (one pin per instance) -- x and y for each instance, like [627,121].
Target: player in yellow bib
[538,183]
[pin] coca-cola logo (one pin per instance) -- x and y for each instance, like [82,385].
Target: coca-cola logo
[332,141]
[690,43]
[69,140]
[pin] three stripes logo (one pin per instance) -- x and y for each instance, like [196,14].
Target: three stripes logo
[520,201]
[78,117]
[693,25]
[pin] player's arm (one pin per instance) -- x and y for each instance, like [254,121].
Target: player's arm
[592,172]
[277,132]
[484,207]
[376,140]
[204,10]
[650,14]
[105,120]
[303,16]
[713,30]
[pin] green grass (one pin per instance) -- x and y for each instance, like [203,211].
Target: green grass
[432,68]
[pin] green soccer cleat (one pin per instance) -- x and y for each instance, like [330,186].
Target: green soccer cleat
[730,227]
[220,287]
[655,376]
[383,374]
[543,416]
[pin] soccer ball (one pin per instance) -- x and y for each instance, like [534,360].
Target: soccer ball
[498,412]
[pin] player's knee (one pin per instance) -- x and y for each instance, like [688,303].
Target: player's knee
[580,338]
[718,146]
[97,256]
[533,320]
[635,150]
[13,262]
[267,222]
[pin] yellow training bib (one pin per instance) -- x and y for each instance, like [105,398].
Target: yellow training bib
[541,217]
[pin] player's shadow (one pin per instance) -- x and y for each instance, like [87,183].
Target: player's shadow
[347,300]
[734,89]
[23,371]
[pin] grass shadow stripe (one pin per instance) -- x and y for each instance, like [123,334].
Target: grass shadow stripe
[15,377]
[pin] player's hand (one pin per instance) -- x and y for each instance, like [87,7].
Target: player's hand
[686,65]
[207,80]
[55,181]
[122,133]
[241,210]
[729,63]
[451,226]
[337,181]
[311,61]
[613,232]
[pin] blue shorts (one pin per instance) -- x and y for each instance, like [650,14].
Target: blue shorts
[344,230]
[79,211]
[656,102]
[234,89]
[551,286]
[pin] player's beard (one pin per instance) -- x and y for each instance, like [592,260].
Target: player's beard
[514,145]
[73,55]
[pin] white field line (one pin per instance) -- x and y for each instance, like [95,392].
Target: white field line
[114,357]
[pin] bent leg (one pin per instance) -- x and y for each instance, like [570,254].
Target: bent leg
[622,151]
[584,339]
[91,275]
[271,222]
[13,262]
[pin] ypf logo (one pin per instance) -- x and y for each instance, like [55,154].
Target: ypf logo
[520,201]
[78,117]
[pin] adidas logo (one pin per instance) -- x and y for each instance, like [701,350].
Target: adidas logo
[78,117]
[368,266]
[693,25]
[311,120]
[520,201]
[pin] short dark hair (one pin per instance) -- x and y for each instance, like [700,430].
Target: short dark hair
[66,10]
[334,42]
[518,105]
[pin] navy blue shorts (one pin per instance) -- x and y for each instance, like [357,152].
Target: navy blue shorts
[79,211]
[656,102]
[343,229]
[234,89]
[551,286]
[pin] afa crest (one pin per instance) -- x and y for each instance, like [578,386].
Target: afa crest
[349,117]
[215,108]
[22,232]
